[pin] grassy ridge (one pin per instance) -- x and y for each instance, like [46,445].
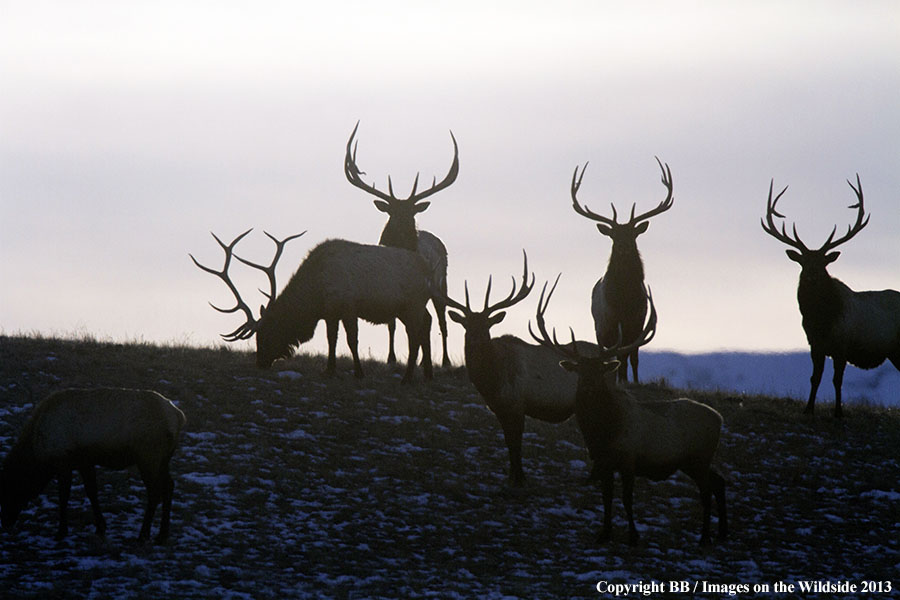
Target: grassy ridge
[291,484]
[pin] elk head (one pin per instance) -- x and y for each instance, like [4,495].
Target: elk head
[592,370]
[813,262]
[400,230]
[623,234]
[478,324]
[250,326]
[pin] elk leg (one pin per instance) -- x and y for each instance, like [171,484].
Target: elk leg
[606,488]
[634,366]
[839,365]
[513,428]
[703,482]
[168,489]
[818,360]
[155,487]
[89,477]
[441,311]
[427,367]
[392,328]
[65,490]
[351,330]
[717,483]
[331,327]
[627,501]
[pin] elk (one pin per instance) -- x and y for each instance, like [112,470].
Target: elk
[400,230]
[80,429]
[862,328]
[515,378]
[619,298]
[338,282]
[634,437]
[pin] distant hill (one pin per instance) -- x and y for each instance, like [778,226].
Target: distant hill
[775,374]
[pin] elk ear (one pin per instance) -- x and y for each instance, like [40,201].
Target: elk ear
[455,316]
[496,318]
[794,256]
[604,229]
[831,257]
[641,228]
[262,311]
[422,206]
[382,206]
[569,365]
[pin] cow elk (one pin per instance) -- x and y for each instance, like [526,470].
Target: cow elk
[862,328]
[80,429]
[618,300]
[635,437]
[338,282]
[515,378]
[400,230]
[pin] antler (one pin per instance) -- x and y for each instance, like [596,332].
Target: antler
[794,241]
[510,300]
[647,334]
[852,230]
[584,211]
[353,172]
[270,270]
[545,338]
[662,206]
[633,220]
[248,328]
[769,224]
[513,297]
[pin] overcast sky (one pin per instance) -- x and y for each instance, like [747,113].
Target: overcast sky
[130,131]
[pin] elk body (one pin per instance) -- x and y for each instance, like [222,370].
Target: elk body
[400,230]
[80,429]
[619,298]
[635,438]
[515,378]
[339,282]
[862,328]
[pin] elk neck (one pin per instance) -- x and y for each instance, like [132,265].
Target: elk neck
[400,234]
[600,407]
[818,295]
[625,271]
[483,364]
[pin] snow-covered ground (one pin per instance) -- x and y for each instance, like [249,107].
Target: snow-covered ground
[780,375]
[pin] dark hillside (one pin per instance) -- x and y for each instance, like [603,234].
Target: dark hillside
[289,484]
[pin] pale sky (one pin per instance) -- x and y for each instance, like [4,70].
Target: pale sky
[130,131]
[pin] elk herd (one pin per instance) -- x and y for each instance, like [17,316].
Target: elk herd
[342,281]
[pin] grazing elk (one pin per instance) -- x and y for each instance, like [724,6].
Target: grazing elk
[80,429]
[400,230]
[515,378]
[619,298]
[651,439]
[338,282]
[862,328]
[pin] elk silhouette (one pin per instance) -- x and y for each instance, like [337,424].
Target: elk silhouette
[400,230]
[619,298]
[637,437]
[339,282]
[862,328]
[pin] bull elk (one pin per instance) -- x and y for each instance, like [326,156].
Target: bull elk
[633,437]
[515,378]
[862,328]
[400,230]
[338,282]
[619,298]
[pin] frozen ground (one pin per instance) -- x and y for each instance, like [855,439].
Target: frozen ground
[290,485]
